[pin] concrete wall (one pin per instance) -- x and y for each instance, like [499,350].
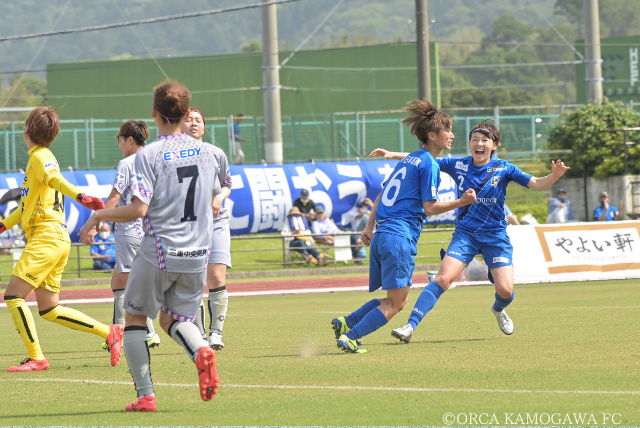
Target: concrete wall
[619,188]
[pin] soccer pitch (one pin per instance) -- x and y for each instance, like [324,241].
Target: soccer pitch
[573,352]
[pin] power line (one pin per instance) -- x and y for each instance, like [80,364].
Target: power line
[140,40]
[557,32]
[442,67]
[44,42]
[304,42]
[143,21]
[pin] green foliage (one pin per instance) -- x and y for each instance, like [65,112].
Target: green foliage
[595,152]
[252,47]
[618,18]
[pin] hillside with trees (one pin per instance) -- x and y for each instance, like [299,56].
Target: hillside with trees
[471,33]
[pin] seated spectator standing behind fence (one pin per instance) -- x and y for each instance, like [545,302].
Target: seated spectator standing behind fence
[560,210]
[104,255]
[300,231]
[306,206]
[238,154]
[510,217]
[606,212]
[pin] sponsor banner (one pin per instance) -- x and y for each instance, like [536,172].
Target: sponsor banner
[578,250]
[262,195]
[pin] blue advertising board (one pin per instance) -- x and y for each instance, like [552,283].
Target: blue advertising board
[262,195]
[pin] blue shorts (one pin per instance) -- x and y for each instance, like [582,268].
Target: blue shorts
[392,261]
[496,248]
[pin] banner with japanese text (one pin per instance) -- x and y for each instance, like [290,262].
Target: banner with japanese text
[580,250]
[262,195]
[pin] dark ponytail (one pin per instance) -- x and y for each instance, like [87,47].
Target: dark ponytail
[171,100]
[424,117]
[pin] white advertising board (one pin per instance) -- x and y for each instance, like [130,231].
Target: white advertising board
[577,251]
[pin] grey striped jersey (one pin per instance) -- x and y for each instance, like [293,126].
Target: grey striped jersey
[223,179]
[175,175]
[121,184]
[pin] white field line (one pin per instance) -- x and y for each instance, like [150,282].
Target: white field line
[345,388]
[336,289]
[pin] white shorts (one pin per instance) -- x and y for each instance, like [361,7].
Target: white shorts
[221,243]
[126,249]
[150,289]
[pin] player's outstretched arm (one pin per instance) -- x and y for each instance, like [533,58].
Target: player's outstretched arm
[135,210]
[434,207]
[13,219]
[557,170]
[112,199]
[387,154]
[367,234]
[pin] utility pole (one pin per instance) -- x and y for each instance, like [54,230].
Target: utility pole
[422,44]
[271,85]
[593,60]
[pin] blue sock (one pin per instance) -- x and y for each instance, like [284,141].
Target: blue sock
[358,314]
[426,301]
[370,323]
[501,303]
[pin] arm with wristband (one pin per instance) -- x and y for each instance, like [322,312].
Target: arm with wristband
[13,219]
[54,179]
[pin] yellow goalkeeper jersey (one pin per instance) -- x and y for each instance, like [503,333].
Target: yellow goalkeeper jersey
[42,210]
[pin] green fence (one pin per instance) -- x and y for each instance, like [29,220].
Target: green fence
[90,144]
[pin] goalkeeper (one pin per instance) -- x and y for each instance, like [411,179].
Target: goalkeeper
[43,260]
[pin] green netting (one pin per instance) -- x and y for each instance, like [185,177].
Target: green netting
[91,144]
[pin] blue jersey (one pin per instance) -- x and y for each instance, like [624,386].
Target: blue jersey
[414,180]
[490,182]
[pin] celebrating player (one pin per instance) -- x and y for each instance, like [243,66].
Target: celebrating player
[131,138]
[172,189]
[408,196]
[43,260]
[481,227]
[220,256]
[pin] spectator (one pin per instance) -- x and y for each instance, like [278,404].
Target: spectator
[560,210]
[356,220]
[606,212]
[300,230]
[238,154]
[104,255]
[510,217]
[306,205]
[324,225]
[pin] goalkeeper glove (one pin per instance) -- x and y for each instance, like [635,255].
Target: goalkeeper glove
[90,202]
[3,228]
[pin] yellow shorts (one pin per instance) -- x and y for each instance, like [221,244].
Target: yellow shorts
[42,262]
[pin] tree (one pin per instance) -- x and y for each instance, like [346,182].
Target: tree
[595,152]
[618,18]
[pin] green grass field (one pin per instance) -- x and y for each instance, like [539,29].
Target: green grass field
[248,255]
[574,350]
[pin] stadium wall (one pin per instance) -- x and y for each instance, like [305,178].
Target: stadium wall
[620,188]
[223,85]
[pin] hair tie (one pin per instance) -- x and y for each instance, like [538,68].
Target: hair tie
[493,137]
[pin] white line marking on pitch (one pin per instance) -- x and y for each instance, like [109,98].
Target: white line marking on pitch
[347,388]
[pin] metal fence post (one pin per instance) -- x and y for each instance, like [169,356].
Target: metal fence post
[364,135]
[75,149]
[284,252]
[293,133]
[92,138]
[231,137]
[346,128]
[78,255]
[533,137]
[496,116]
[358,133]
[467,128]
[256,136]
[213,135]
[7,162]
[87,143]
[13,144]
[333,135]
